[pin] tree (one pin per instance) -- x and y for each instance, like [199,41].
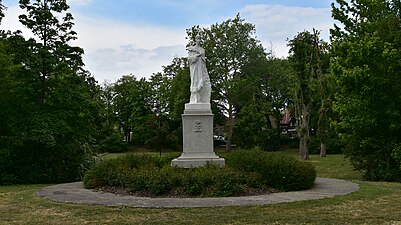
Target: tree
[159,121]
[8,107]
[178,91]
[274,95]
[53,122]
[366,66]
[110,138]
[131,102]
[53,52]
[230,49]
[320,69]
[305,52]
[176,88]
[264,95]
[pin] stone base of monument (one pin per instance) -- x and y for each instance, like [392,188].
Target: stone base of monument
[197,125]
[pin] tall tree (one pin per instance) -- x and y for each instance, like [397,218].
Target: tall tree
[177,89]
[160,85]
[178,93]
[230,48]
[53,125]
[110,137]
[53,52]
[131,102]
[320,70]
[305,81]
[264,95]
[366,65]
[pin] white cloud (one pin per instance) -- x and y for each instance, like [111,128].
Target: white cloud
[11,21]
[79,2]
[276,23]
[113,49]
[102,33]
[112,63]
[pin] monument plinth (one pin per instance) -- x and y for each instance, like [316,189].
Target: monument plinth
[197,125]
[197,120]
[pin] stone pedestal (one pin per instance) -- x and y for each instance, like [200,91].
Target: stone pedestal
[197,123]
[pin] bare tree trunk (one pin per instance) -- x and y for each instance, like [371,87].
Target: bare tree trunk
[304,133]
[275,125]
[230,124]
[273,121]
[303,147]
[323,149]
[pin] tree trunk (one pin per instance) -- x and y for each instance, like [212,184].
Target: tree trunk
[273,121]
[229,132]
[323,149]
[303,147]
[323,124]
[304,133]
[127,134]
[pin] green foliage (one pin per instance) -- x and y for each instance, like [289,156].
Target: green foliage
[131,107]
[147,112]
[254,129]
[49,108]
[397,154]
[308,58]
[278,171]
[113,143]
[366,66]
[178,90]
[245,169]
[53,51]
[264,94]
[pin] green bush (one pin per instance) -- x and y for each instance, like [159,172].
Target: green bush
[34,163]
[278,171]
[154,176]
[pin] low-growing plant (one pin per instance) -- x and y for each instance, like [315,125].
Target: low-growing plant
[278,171]
[245,170]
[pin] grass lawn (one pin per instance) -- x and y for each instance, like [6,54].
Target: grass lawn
[374,203]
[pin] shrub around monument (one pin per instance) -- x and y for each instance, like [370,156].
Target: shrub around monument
[278,171]
[153,176]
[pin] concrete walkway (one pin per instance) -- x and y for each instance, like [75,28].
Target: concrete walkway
[75,193]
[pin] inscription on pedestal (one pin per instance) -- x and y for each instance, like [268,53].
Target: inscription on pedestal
[197,133]
[197,126]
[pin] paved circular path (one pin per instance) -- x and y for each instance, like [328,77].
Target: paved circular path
[75,193]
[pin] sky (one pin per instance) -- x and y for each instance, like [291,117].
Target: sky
[139,37]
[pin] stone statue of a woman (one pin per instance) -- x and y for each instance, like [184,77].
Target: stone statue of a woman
[200,82]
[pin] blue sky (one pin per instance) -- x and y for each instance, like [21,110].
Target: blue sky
[140,36]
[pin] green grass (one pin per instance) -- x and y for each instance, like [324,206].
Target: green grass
[335,166]
[374,203]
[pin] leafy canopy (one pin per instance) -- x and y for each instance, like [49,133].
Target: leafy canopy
[366,65]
